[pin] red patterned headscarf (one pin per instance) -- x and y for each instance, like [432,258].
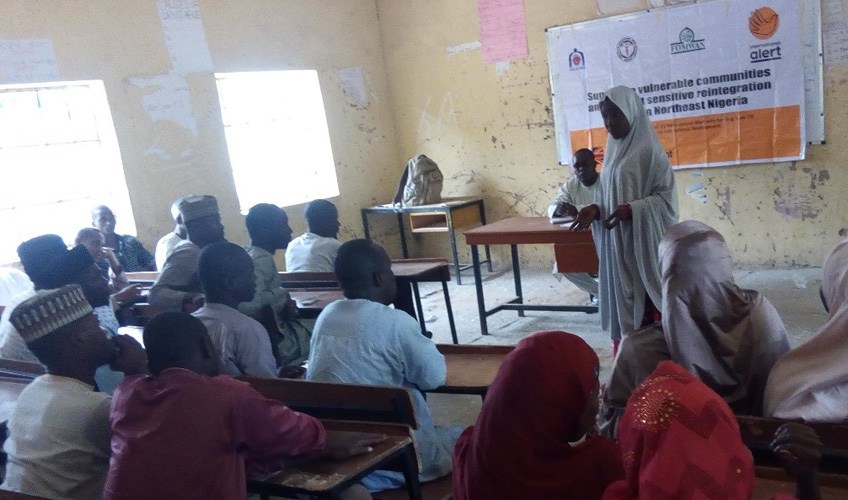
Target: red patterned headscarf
[680,441]
[519,448]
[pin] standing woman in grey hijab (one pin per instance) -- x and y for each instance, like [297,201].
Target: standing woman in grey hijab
[635,204]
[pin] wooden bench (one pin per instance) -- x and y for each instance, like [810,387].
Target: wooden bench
[471,368]
[12,368]
[758,432]
[325,400]
[11,495]
[353,402]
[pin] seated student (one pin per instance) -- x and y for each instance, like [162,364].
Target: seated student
[578,192]
[130,252]
[810,382]
[93,240]
[165,245]
[726,336]
[316,250]
[186,432]
[226,276]
[178,286]
[268,226]
[58,444]
[50,265]
[360,340]
[532,439]
[681,441]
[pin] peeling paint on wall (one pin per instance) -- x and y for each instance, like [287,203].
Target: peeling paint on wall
[464,47]
[723,196]
[354,85]
[169,100]
[501,67]
[796,205]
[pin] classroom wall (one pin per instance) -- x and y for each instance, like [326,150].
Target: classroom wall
[490,128]
[122,43]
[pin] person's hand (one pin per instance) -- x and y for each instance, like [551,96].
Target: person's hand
[565,209]
[130,357]
[193,302]
[291,372]
[618,215]
[129,294]
[290,310]
[589,214]
[341,445]
[798,447]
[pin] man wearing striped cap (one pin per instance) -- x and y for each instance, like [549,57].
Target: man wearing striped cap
[58,445]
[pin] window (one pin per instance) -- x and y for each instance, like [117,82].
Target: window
[59,158]
[277,137]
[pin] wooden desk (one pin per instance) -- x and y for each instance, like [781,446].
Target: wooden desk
[142,277]
[443,217]
[531,230]
[311,301]
[471,368]
[771,481]
[410,272]
[328,478]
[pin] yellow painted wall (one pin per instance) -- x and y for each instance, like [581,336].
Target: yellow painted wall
[488,126]
[490,129]
[121,43]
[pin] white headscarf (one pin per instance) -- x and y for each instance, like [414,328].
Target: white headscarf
[636,171]
[811,381]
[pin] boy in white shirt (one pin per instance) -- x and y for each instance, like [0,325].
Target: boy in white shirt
[316,250]
[361,340]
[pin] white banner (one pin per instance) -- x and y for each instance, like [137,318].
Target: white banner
[722,81]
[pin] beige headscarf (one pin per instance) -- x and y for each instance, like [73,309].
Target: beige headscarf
[811,381]
[726,336]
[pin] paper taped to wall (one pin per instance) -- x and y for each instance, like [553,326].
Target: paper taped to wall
[184,36]
[28,60]
[503,31]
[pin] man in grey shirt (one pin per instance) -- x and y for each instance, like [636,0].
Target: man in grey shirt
[178,285]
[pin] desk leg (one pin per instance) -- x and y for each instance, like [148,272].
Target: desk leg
[450,312]
[516,275]
[478,283]
[416,293]
[452,235]
[410,473]
[483,221]
[402,235]
[365,229]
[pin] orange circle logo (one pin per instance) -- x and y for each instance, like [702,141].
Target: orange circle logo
[763,23]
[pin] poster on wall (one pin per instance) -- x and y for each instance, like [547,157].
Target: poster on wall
[722,81]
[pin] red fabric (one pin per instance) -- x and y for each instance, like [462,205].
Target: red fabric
[183,435]
[519,447]
[680,441]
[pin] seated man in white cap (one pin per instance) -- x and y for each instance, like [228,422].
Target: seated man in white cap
[178,286]
[58,444]
[165,245]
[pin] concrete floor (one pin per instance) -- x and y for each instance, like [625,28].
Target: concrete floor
[794,293]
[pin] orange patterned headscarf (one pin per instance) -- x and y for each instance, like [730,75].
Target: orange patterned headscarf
[681,441]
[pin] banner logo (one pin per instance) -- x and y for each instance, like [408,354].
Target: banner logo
[626,49]
[576,60]
[687,42]
[763,23]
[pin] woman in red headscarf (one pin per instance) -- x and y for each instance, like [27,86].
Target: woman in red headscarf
[681,441]
[531,439]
